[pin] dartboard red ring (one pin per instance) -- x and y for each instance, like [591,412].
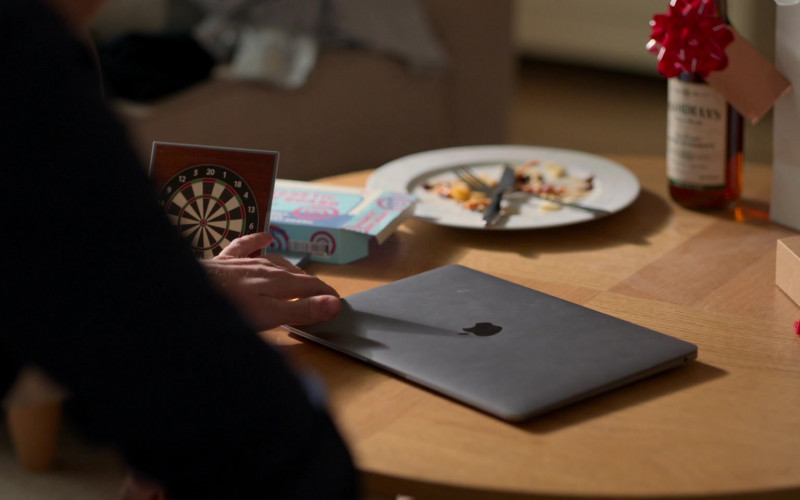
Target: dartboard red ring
[210,205]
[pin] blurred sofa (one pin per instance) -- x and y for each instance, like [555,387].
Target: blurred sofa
[359,108]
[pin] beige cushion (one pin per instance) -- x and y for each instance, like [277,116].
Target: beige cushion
[359,109]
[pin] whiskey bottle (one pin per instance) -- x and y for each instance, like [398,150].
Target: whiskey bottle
[704,143]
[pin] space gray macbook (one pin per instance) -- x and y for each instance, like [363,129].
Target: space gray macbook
[502,348]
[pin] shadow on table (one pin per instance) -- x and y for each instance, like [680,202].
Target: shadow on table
[636,393]
[399,257]
[328,362]
[633,225]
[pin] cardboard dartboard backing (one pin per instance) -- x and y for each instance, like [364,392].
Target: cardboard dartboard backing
[213,194]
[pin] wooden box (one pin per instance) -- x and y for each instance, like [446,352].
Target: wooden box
[787,267]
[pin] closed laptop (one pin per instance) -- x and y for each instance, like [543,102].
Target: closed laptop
[502,348]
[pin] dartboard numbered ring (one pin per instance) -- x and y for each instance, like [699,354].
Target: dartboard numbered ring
[210,205]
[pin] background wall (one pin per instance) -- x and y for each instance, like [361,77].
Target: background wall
[120,16]
[612,33]
[606,33]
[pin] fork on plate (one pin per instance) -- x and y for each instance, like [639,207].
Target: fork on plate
[476,183]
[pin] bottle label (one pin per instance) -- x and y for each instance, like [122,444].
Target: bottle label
[697,124]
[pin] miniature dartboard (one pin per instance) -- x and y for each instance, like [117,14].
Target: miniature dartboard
[210,205]
[213,195]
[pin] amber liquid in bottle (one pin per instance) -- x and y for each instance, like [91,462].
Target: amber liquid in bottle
[695,143]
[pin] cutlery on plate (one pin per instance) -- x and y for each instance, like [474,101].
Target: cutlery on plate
[597,211]
[478,184]
[492,213]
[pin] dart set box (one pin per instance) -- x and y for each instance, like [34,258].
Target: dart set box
[213,195]
[333,224]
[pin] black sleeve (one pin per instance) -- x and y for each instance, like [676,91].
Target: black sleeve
[102,294]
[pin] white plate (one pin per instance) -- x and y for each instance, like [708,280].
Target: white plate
[615,187]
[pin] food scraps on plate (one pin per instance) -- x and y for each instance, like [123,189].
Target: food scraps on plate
[547,181]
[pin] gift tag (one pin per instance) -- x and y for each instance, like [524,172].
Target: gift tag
[750,82]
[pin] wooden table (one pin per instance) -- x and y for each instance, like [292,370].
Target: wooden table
[728,424]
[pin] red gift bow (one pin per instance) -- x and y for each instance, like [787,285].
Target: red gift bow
[689,38]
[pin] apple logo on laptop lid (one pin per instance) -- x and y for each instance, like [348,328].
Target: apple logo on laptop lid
[482,330]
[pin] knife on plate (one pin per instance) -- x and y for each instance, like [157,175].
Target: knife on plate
[492,213]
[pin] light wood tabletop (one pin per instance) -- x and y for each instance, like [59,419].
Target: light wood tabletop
[729,424]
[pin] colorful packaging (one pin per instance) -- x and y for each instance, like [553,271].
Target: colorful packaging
[333,223]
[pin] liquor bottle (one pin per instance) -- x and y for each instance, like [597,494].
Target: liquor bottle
[704,142]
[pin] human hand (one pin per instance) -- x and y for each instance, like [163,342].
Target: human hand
[269,290]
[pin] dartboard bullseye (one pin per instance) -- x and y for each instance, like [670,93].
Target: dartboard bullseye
[210,205]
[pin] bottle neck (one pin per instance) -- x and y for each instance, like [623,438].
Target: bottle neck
[722,10]
[690,77]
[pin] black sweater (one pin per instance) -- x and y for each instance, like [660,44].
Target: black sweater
[100,292]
